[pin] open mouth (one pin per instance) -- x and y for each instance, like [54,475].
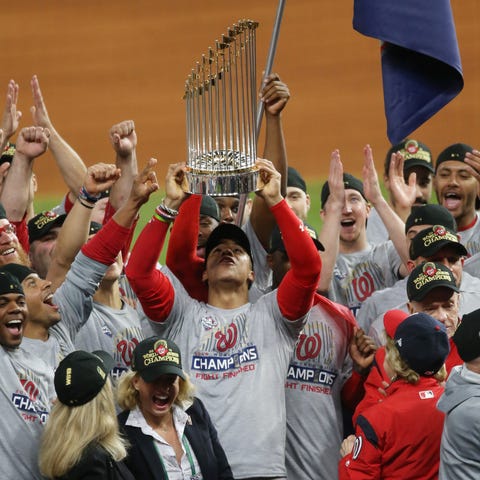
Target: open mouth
[160,400]
[347,223]
[452,200]
[14,326]
[8,251]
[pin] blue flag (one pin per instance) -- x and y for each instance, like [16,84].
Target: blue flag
[421,64]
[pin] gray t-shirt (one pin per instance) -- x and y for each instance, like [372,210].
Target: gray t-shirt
[376,230]
[74,298]
[238,360]
[470,238]
[318,370]
[357,275]
[117,332]
[27,392]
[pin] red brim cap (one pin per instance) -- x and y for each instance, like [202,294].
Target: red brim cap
[392,319]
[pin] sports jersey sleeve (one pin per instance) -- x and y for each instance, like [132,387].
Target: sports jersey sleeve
[153,289]
[297,289]
[22,233]
[182,258]
[364,461]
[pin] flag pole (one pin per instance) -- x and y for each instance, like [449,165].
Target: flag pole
[260,107]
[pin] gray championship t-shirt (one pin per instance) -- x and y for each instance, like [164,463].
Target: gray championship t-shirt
[238,360]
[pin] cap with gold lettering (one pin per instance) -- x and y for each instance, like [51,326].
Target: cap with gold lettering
[157,356]
[427,276]
[429,241]
[81,375]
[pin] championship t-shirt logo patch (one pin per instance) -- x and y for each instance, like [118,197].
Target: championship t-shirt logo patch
[209,322]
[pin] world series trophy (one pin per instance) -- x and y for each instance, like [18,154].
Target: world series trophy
[221,112]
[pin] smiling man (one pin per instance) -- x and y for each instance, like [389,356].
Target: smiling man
[457,190]
[26,387]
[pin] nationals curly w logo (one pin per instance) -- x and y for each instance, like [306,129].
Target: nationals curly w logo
[308,346]
[363,286]
[228,339]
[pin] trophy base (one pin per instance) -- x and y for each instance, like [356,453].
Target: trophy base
[222,184]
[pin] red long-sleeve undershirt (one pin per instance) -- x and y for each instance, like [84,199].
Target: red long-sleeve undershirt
[296,291]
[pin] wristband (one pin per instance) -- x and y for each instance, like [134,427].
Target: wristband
[84,195]
[86,205]
[162,216]
[169,211]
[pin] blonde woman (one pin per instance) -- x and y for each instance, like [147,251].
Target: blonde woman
[81,438]
[169,431]
[399,437]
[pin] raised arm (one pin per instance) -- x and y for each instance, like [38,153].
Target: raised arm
[297,289]
[331,215]
[395,226]
[124,141]
[75,229]
[31,143]
[70,164]
[275,95]
[11,116]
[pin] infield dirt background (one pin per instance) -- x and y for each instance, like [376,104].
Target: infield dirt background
[100,62]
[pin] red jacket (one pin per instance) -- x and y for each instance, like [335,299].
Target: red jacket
[398,438]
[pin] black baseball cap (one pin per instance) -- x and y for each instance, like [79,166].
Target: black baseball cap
[430,214]
[415,154]
[9,283]
[81,375]
[276,239]
[228,231]
[349,182]
[294,179]
[456,152]
[427,276]
[209,207]
[18,270]
[157,356]
[432,239]
[467,336]
[41,224]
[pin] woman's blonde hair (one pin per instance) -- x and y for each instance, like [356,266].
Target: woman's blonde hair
[70,430]
[401,368]
[128,397]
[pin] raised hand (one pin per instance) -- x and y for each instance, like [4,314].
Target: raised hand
[100,177]
[39,109]
[274,94]
[269,182]
[403,195]
[11,116]
[176,185]
[371,185]
[144,184]
[123,138]
[32,142]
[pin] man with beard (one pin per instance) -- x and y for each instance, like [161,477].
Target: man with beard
[417,160]
[456,185]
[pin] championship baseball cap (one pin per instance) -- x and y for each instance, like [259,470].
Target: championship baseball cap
[422,343]
[294,179]
[157,356]
[81,375]
[42,223]
[432,239]
[21,272]
[430,214]
[228,231]
[467,336]
[456,152]
[276,239]
[8,153]
[349,182]
[415,153]
[427,276]
[9,284]
[392,319]
[209,207]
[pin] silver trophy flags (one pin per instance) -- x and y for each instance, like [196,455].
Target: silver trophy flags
[221,111]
